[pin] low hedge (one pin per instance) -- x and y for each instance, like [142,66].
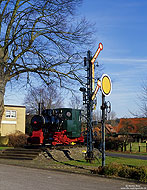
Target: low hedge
[17,139]
[118,170]
[111,143]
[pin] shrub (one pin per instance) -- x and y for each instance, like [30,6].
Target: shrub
[17,139]
[137,173]
[4,141]
[111,143]
[142,174]
[133,173]
[113,169]
[127,172]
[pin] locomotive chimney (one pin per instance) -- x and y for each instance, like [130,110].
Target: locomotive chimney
[39,108]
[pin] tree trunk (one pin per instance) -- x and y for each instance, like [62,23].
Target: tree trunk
[3,59]
[2,93]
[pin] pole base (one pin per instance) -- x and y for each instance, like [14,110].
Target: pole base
[89,157]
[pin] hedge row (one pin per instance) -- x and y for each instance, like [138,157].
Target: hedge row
[112,143]
[118,170]
[17,139]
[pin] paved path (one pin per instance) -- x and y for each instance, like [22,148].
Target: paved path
[20,178]
[141,157]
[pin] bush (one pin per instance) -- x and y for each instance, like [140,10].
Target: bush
[17,139]
[114,143]
[124,171]
[111,143]
[112,169]
[137,173]
[142,174]
[109,170]
[4,141]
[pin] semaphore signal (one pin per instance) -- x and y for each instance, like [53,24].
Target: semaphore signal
[89,94]
[93,60]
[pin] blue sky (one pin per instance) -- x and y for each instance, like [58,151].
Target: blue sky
[122,28]
[121,25]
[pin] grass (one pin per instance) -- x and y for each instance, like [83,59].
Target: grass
[135,147]
[82,162]
[128,152]
[126,161]
[109,160]
[3,148]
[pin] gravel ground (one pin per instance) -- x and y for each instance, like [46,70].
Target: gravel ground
[55,159]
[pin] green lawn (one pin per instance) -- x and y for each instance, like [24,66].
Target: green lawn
[126,161]
[135,147]
[3,148]
[109,160]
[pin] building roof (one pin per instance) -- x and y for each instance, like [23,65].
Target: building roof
[133,124]
[15,106]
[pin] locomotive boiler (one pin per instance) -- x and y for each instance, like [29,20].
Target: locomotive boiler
[56,127]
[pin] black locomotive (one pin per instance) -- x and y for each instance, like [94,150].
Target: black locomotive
[56,126]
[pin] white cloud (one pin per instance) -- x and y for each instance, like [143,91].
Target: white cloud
[124,60]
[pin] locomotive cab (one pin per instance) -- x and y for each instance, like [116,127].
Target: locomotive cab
[71,122]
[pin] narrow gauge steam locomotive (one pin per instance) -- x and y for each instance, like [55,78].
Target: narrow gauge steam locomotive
[56,126]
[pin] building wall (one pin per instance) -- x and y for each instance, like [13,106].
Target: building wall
[13,120]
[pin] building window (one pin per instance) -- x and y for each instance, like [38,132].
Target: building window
[13,114]
[10,114]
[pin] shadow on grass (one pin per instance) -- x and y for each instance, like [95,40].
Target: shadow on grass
[66,153]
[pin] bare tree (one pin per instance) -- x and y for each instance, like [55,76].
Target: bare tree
[111,115]
[75,102]
[142,102]
[49,96]
[97,116]
[143,105]
[40,38]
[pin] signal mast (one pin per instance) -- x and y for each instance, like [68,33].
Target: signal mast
[89,94]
